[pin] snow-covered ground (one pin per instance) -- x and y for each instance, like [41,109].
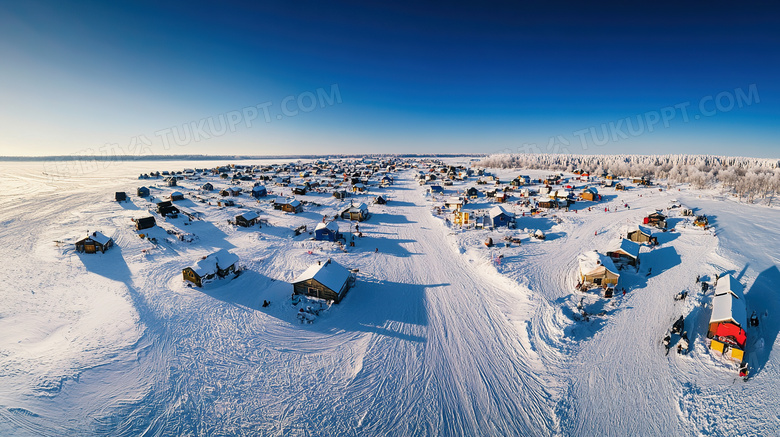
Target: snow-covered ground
[437,338]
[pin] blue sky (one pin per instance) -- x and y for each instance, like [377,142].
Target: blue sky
[441,77]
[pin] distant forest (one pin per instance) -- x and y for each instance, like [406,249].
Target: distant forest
[749,179]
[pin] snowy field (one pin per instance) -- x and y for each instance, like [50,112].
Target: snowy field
[438,337]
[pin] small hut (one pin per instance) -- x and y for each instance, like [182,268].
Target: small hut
[93,243]
[247,219]
[216,265]
[325,280]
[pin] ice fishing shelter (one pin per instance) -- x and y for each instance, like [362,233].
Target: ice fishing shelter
[247,219]
[93,243]
[325,280]
[728,321]
[327,232]
[500,217]
[177,195]
[120,196]
[625,251]
[218,264]
[142,192]
[598,269]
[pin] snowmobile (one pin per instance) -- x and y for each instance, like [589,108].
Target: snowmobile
[682,346]
[678,326]
[667,341]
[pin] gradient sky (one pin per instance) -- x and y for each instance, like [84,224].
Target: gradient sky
[444,77]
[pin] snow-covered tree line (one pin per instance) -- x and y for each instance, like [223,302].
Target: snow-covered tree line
[750,179]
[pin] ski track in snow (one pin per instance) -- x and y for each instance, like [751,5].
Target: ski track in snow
[435,339]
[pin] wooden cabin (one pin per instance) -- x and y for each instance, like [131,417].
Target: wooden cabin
[642,234]
[294,206]
[728,321]
[590,194]
[144,223]
[598,269]
[625,252]
[93,243]
[247,219]
[226,202]
[216,265]
[324,280]
[356,212]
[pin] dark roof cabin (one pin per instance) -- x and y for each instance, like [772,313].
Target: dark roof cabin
[144,223]
[93,243]
[218,264]
[325,280]
[247,219]
[142,192]
[120,196]
[259,191]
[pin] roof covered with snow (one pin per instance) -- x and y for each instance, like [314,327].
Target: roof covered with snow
[221,259]
[249,215]
[594,263]
[98,237]
[729,285]
[332,226]
[628,247]
[498,210]
[328,273]
[727,308]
